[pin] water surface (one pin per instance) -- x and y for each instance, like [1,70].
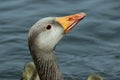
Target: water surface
[93,47]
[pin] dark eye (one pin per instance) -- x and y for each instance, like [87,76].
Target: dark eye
[48,27]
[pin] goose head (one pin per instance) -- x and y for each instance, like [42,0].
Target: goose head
[47,32]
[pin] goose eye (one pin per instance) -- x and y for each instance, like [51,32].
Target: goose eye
[48,27]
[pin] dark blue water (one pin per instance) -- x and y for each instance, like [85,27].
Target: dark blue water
[93,47]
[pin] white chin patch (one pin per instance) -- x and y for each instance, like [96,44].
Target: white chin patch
[49,38]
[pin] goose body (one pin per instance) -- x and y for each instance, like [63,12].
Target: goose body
[30,73]
[42,39]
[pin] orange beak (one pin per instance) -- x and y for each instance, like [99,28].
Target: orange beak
[68,22]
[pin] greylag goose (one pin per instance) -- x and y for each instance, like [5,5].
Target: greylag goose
[42,39]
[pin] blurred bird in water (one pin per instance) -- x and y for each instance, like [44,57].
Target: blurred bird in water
[30,72]
[95,77]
